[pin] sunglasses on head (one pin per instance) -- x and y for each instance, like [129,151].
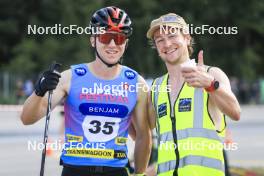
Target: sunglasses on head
[107,37]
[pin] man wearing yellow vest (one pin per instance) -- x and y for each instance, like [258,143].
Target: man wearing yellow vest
[187,105]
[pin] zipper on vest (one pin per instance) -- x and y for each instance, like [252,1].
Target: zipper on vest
[174,132]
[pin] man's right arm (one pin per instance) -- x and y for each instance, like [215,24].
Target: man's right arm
[35,106]
[143,141]
[151,112]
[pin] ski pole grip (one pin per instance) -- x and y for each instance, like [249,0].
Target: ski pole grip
[55,66]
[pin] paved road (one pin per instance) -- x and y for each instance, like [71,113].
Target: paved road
[17,158]
[248,133]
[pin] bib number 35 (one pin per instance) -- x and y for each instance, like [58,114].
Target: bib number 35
[106,128]
[100,129]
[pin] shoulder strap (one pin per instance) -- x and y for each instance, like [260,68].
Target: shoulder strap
[155,91]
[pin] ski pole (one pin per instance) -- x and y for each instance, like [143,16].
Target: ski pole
[54,67]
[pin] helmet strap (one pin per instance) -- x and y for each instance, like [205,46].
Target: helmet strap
[107,64]
[98,55]
[121,59]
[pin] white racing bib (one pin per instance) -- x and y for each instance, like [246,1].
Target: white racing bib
[100,128]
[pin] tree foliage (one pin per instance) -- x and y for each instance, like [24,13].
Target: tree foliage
[238,55]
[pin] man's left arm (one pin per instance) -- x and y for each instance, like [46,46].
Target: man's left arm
[143,132]
[223,97]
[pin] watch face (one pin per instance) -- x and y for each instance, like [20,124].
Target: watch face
[216,85]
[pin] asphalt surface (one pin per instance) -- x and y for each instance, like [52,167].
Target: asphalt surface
[248,133]
[17,156]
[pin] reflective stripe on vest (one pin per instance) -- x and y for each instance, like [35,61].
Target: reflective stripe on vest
[190,132]
[192,160]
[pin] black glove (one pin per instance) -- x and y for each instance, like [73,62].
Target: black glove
[47,81]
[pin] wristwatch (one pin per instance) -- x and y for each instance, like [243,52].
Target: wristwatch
[213,86]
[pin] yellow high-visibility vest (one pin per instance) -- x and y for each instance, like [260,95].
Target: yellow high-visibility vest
[188,143]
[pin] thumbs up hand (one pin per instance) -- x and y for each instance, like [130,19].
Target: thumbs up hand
[197,76]
[200,58]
